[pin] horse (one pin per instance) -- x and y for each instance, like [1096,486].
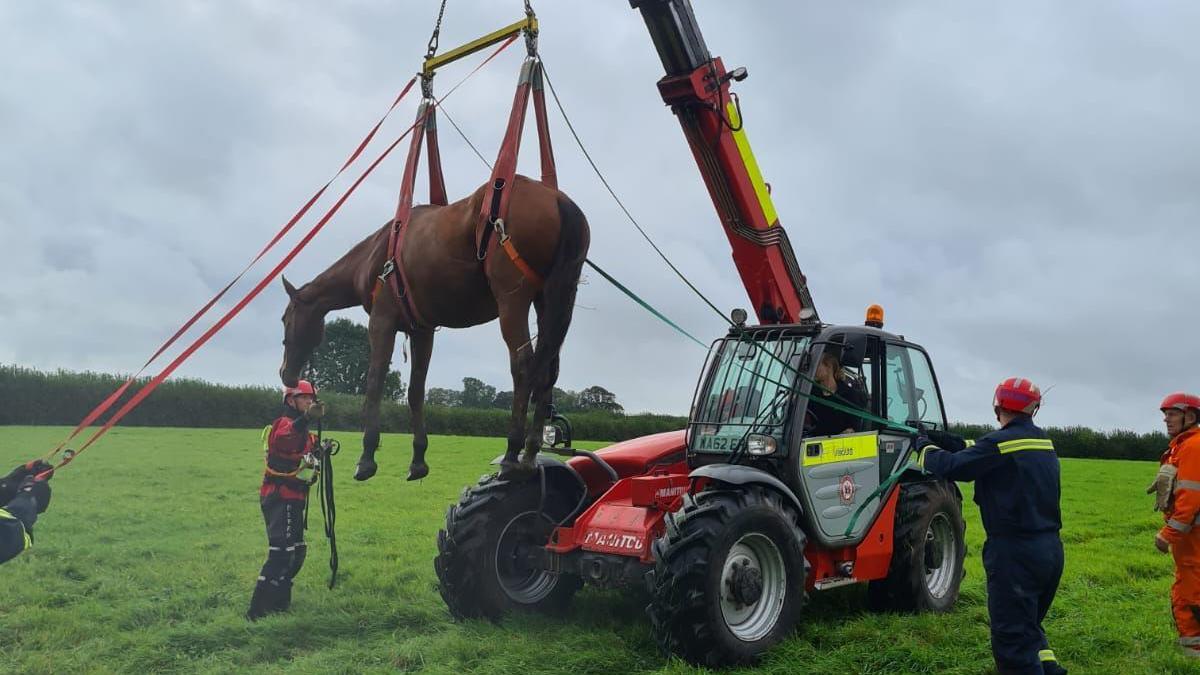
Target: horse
[449,286]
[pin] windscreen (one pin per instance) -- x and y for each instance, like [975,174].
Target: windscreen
[748,388]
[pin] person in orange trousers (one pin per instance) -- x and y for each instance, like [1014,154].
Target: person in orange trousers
[1177,486]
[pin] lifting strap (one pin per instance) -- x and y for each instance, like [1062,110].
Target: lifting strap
[394,273]
[494,211]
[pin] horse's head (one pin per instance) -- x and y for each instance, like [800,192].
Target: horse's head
[303,330]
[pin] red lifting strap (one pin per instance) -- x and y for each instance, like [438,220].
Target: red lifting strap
[494,211]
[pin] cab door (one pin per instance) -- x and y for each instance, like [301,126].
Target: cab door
[840,471]
[911,396]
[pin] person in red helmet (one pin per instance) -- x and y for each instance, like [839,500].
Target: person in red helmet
[289,471]
[1017,488]
[1178,484]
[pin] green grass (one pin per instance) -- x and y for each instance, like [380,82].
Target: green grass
[146,559]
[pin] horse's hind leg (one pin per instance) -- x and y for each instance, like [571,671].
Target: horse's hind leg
[382,333]
[514,326]
[422,350]
[543,376]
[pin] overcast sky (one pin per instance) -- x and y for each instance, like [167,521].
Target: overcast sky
[1017,183]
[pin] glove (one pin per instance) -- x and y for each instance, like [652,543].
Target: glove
[10,484]
[39,488]
[946,440]
[1163,487]
[315,411]
[1161,544]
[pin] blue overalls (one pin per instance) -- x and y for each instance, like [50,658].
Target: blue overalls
[1017,488]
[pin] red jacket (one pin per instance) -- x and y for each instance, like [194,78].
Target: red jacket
[1184,454]
[288,440]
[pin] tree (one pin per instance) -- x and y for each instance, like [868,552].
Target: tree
[476,394]
[503,400]
[443,397]
[340,363]
[596,397]
[566,401]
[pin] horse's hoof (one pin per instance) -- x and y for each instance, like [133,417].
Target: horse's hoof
[516,471]
[418,470]
[364,470]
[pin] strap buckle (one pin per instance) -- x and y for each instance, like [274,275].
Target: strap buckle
[388,268]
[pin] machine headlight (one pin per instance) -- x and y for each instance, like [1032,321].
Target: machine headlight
[759,444]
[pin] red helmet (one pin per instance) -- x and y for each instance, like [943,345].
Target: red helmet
[1019,395]
[1180,401]
[302,387]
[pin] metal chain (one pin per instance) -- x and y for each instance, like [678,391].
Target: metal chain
[530,35]
[427,78]
[437,29]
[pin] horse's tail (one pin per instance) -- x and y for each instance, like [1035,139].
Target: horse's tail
[558,295]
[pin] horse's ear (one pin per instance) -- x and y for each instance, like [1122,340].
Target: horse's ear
[291,290]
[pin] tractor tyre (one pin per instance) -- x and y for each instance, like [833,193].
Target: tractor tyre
[929,544]
[487,562]
[729,576]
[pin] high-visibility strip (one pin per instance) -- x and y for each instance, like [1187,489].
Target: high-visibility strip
[116,395]
[1047,655]
[1187,485]
[756,179]
[970,442]
[1189,641]
[840,449]
[5,515]
[1178,526]
[1026,444]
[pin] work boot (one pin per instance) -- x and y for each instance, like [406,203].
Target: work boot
[1052,668]
[264,601]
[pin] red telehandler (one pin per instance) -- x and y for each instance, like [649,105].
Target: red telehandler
[731,522]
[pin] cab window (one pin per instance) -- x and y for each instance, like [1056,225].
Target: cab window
[910,388]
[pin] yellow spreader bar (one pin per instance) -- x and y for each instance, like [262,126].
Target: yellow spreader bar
[434,62]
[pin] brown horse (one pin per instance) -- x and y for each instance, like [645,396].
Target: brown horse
[451,287]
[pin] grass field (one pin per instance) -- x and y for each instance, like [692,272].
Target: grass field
[146,560]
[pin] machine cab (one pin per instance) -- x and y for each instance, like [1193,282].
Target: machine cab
[760,403]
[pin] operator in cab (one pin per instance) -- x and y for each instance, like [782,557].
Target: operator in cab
[833,385]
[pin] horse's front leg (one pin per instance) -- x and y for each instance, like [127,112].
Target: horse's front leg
[422,350]
[514,326]
[382,333]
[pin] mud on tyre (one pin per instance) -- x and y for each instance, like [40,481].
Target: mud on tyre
[729,576]
[486,565]
[929,544]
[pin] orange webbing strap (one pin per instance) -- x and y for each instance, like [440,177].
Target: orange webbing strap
[529,272]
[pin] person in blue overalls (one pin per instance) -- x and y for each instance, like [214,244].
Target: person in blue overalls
[1017,488]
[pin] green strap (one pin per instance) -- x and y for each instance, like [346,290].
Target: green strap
[883,487]
[645,305]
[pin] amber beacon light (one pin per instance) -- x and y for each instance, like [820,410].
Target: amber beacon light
[875,316]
